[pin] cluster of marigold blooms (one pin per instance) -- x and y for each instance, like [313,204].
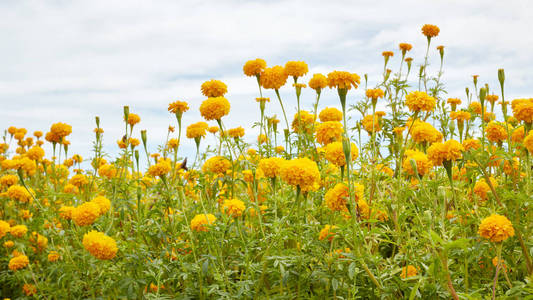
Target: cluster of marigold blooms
[426,150]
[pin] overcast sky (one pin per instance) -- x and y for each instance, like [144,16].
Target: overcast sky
[69,61]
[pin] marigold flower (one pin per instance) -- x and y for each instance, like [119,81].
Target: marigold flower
[371,123]
[29,289]
[233,207]
[8,180]
[279,149]
[327,232]
[199,222]
[343,80]
[197,130]
[496,228]
[214,88]
[133,119]
[318,82]
[335,153]
[330,114]
[337,197]
[471,144]
[430,30]
[475,107]
[420,101]
[19,193]
[18,262]
[59,131]
[161,168]
[213,129]
[214,108]
[460,116]
[375,93]
[108,171]
[296,68]
[4,228]
[103,203]
[35,153]
[18,231]
[178,107]
[495,132]
[523,109]
[100,245]
[408,271]
[85,214]
[307,120]
[423,164]
[217,165]
[254,67]
[517,135]
[424,132]
[387,53]
[328,132]
[481,188]
[450,150]
[300,172]
[404,47]
[528,142]
[53,256]
[9,244]
[271,167]
[65,212]
[236,132]
[273,78]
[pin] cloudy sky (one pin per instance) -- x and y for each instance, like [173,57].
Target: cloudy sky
[69,61]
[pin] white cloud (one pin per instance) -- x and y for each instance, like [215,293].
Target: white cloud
[71,61]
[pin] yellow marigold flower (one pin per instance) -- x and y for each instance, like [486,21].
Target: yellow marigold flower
[327,232]
[337,197]
[450,150]
[233,207]
[528,142]
[38,134]
[408,271]
[65,212]
[40,241]
[29,289]
[108,171]
[271,166]
[371,123]
[262,100]
[387,54]
[495,132]
[343,80]
[254,67]
[71,189]
[214,108]
[214,88]
[330,114]
[60,130]
[262,208]
[296,68]
[262,138]
[454,101]
[318,82]
[423,164]
[335,153]
[481,188]
[8,180]
[307,120]
[134,142]
[133,119]
[491,98]
[212,129]
[18,231]
[217,165]
[197,130]
[273,78]
[78,180]
[251,151]
[53,256]
[85,214]
[4,228]
[236,132]
[375,93]
[161,168]
[404,47]
[199,221]
[19,193]
[430,30]
[178,107]
[279,149]
[103,203]
[420,101]
[35,153]
[471,144]
[475,107]
[523,109]
[9,244]
[18,262]
[496,228]
[173,144]
[300,172]
[517,136]
[328,132]
[100,245]
[398,131]
[425,132]
[460,116]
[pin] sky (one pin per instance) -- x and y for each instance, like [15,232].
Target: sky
[69,61]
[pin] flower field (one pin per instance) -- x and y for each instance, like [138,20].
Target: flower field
[426,199]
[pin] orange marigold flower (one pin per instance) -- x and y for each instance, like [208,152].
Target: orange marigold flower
[475,107]
[161,168]
[4,228]
[29,289]
[273,78]
[85,214]
[423,132]
[471,144]
[307,120]
[496,228]
[328,132]
[430,30]
[100,245]
[271,167]
[133,119]
[178,107]
[214,88]
[422,163]
[233,207]
[450,150]
[197,130]
[330,114]
[18,262]
[214,108]
[404,47]
[300,172]
[460,116]
[523,109]
[254,67]
[199,222]
[371,123]
[343,80]
[217,165]
[327,232]
[375,93]
[420,101]
[296,68]
[236,132]
[408,271]
[495,132]
[335,153]
[318,82]
[528,142]
[387,53]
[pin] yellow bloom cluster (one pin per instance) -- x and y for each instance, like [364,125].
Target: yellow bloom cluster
[337,197]
[4,228]
[35,153]
[430,30]
[523,109]
[133,119]
[197,130]
[423,164]
[217,165]
[8,180]
[18,262]
[296,68]
[371,123]
[495,132]
[496,228]
[178,107]
[161,168]
[254,67]
[329,132]
[58,132]
[481,188]
[271,166]
[327,232]
[85,214]
[408,271]
[301,172]
[273,78]
[19,193]
[53,256]
[236,132]
[214,108]
[450,150]
[375,93]
[420,101]
[233,207]
[108,171]
[330,114]
[307,119]
[335,153]
[100,245]
[343,80]
[18,231]
[103,203]
[214,88]
[528,142]
[424,132]
[318,82]
[460,116]
[199,221]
